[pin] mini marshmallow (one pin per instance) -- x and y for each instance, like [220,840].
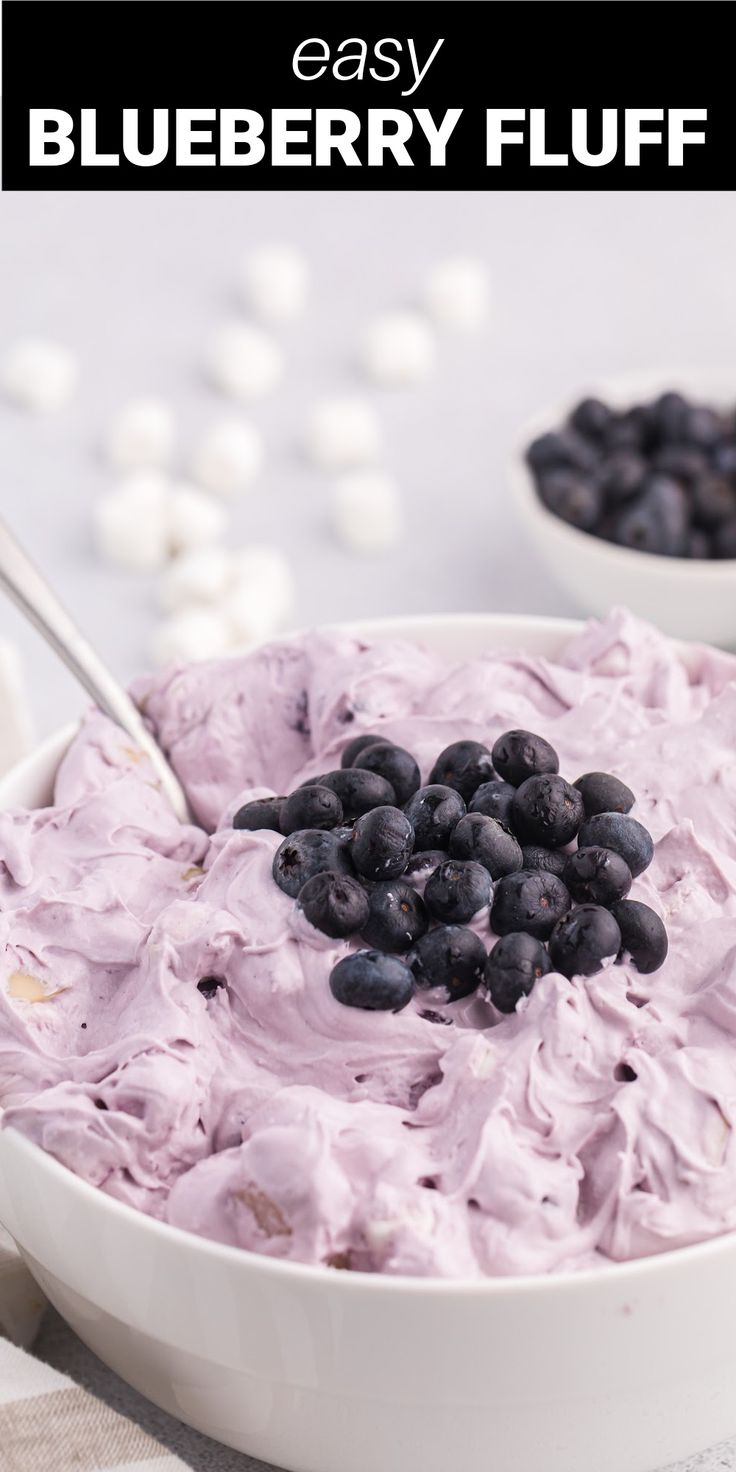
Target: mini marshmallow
[141,435]
[228,457]
[262,595]
[398,348]
[199,577]
[342,432]
[39,375]
[366,511]
[243,361]
[194,519]
[456,293]
[274,283]
[131,523]
[189,635]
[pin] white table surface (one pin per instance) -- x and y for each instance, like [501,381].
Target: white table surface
[585,286]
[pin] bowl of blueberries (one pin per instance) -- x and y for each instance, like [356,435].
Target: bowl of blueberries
[630,498]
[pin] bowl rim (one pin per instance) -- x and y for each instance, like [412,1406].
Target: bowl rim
[242,1259]
[617,389]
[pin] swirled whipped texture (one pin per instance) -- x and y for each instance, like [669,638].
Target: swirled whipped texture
[444,1140]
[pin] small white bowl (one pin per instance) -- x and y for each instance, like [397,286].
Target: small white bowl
[689,599]
[624,1368]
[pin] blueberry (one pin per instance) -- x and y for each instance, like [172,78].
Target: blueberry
[433,813]
[397,916]
[597,876]
[724,459]
[451,957]
[583,940]
[591,418]
[457,890]
[643,935]
[520,754]
[310,807]
[488,842]
[713,502]
[381,843]
[622,474]
[463,766]
[603,793]
[359,791]
[572,496]
[698,544]
[334,903]
[551,860]
[683,462]
[632,430]
[552,451]
[515,963]
[494,799]
[372,981]
[357,745]
[703,426]
[210,985]
[657,520]
[532,901]
[394,764]
[724,541]
[305,853]
[547,810]
[670,415]
[262,812]
[422,864]
[623,834]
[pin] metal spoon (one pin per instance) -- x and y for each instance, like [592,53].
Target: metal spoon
[25,585]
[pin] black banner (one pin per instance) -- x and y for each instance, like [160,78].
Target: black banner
[253,94]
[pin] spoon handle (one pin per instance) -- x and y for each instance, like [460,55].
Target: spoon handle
[25,585]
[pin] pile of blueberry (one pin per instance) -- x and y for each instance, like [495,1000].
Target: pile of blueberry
[659,477]
[492,829]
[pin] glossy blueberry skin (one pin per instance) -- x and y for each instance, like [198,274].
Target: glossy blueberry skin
[359,744]
[494,799]
[449,956]
[643,935]
[488,842]
[393,763]
[262,812]
[457,890]
[621,475]
[433,813]
[547,810]
[359,791]
[625,835]
[521,754]
[334,903]
[656,520]
[583,940]
[381,844]
[597,876]
[574,497]
[516,962]
[713,502]
[603,793]
[532,901]
[372,981]
[310,807]
[463,765]
[397,916]
[591,418]
[305,853]
[551,860]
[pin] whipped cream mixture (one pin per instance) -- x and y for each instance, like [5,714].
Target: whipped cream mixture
[595,1123]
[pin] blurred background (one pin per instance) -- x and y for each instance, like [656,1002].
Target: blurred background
[581,286]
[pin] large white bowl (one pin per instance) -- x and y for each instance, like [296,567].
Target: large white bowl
[621,1369]
[690,599]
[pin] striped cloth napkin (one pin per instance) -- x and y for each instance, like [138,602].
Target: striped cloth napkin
[49,1424]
